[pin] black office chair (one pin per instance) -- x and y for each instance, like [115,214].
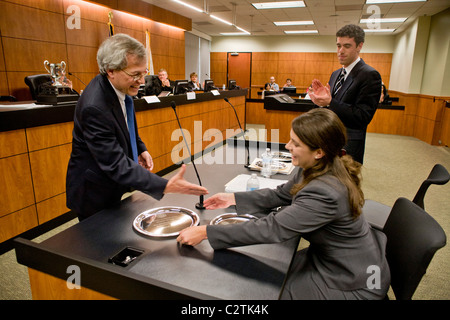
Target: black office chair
[377,213]
[148,87]
[438,175]
[413,237]
[8,98]
[35,82]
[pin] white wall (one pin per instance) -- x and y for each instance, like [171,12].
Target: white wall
[402,59]
[436,77]
[310,43]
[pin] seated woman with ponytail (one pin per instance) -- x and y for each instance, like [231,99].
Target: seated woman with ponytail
[321,203]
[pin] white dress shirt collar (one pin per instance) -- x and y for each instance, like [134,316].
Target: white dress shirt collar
[121,97]
[349,68]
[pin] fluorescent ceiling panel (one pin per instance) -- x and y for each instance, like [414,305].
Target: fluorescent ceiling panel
[301,31]
[391,1]
[279,5]
[234,34]
[293,23]
[188,5]
[379,30]
[382,20]
[221,20]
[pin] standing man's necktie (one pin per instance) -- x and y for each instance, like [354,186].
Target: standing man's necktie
[131,129]
[339,82]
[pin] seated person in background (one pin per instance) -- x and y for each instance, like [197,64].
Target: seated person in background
[194,83]
[322,203]
[384,98]
[267,90]
[160,84]
[288,84]
[65,81]
[273,85]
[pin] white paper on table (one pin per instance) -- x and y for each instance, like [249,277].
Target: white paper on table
[151,99]
[239,183]
[190,95]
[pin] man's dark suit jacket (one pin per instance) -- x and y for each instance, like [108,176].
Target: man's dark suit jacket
[101,167]
[355,104]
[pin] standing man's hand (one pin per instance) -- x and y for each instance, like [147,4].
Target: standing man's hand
[177,184]
[146,160]
[320,95]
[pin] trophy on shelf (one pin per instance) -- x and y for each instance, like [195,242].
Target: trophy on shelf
[60,89]
[57,71]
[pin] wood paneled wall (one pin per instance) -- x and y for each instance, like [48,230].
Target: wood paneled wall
[425,117]
[33,31]
[301,67]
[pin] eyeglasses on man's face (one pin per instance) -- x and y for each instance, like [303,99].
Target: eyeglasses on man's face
[137,76]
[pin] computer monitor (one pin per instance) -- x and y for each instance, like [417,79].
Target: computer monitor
[209,85]
[269,93]
[181,86]
[289,90]
[232,84]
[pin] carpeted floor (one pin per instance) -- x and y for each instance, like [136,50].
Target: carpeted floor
[395,166]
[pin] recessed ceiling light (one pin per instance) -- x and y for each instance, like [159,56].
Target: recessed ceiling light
[379,30]
[391,1]
[221,20]
[279,5]
[293,23]
[188,5]
[382,20]
[234,34]
[245,31]
[301,31]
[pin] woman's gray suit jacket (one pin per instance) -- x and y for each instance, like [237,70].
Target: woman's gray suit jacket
[341,250]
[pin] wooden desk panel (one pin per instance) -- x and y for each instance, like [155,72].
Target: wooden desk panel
[387,121]
[12,143]
[15,183]
[49,136]
[17,222]
[49,168]
[47,287]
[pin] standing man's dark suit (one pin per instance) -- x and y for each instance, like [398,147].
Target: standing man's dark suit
[101,168]
[355,103]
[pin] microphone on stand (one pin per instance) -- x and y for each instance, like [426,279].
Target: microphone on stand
[245,141]
[200,204]
[71,74]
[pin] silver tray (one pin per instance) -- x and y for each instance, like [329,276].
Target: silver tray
[231,218]
[165,221]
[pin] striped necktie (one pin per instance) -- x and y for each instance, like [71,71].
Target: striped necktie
[131,129]
[340,81]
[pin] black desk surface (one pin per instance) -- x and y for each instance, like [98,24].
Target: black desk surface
[165,269]
[304,105]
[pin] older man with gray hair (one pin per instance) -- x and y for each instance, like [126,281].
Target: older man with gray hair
[108,157]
